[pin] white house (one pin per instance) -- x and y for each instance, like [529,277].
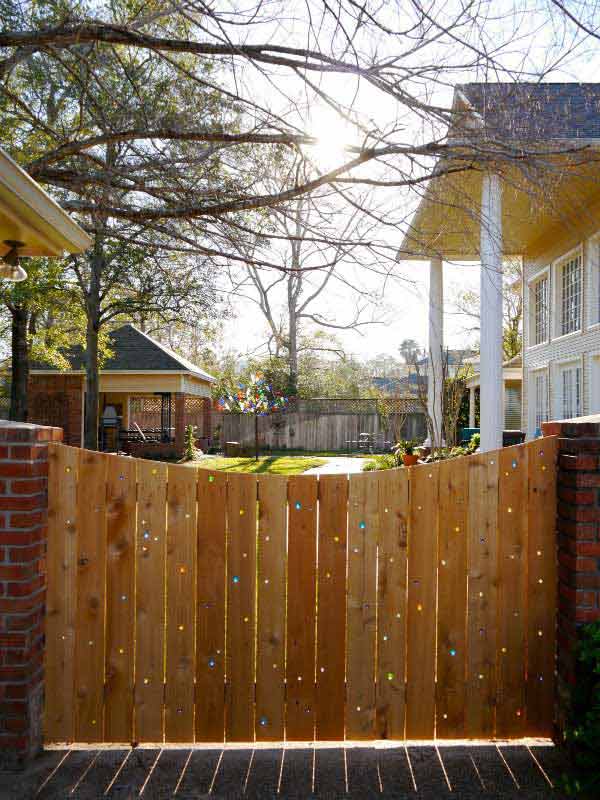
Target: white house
[527,186]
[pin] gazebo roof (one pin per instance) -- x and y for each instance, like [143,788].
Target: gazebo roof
[133,351]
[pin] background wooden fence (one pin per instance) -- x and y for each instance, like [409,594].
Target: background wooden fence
[185,605]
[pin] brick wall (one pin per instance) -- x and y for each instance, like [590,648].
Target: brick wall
[23,509]
[578,540]
[57,400]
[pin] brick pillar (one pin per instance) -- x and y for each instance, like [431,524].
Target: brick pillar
[578,532]
[207,409]
[23,510]
[179,421]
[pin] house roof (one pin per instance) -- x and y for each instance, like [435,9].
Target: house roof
[553,128]
[452,357]
[536,111]
[30,216]
[134,351]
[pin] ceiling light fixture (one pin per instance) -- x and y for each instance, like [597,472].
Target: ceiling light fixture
[10,269]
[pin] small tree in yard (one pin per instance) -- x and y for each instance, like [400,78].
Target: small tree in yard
[257,398]
[190,452]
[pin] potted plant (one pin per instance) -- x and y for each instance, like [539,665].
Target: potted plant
[405,453]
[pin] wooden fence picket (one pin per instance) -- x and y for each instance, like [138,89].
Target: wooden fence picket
[181,608]
[301,607]
[190,605]
[270,657]
[511,602]
[121,517]
[541,587]
[480,706]
[361,613]
[61,597]
[91,592]
[241,617]
[210,606]
[392,587]
[331,599]
[150,601]
[422,588]
[452,599]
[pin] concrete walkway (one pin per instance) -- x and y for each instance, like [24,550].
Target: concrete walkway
[337,465]
[518,771]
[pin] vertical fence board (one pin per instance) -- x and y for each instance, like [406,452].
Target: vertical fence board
[452,599]
[391,626]
[121,489]
[422,578]
[361,614]
[241,587]
[181,617]
[210,602]
[91,587]
[541,587]
[61,597]
[331,599]
[150,601]
[301,607]
[511,606]
[480,708]
[270,657]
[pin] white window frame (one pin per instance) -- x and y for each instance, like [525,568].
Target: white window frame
[559,401]
[576,252]
[593,288]
[534,374]
[534,281]
[594,382]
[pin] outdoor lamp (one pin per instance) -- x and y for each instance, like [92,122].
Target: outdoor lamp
[10,269]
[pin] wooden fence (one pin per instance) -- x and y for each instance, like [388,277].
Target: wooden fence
[185,605]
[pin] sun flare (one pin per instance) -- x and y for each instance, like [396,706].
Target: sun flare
[334,136]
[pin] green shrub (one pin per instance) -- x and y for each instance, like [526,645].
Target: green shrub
[582,733]
[386,461]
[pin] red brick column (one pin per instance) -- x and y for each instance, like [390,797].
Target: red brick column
[179,421]
[578,532]
[23,510]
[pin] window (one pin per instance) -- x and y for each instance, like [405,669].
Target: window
[570,283]
[570,388]
[540,310]
[541,399]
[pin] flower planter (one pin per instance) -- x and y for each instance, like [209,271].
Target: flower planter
[410,460]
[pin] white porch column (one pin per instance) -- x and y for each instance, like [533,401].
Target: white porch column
[472,407]
[491,401]
[435,387]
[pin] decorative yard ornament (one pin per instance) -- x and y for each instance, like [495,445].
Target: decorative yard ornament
[257,398]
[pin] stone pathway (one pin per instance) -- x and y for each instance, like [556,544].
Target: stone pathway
[515,770]
[337,465]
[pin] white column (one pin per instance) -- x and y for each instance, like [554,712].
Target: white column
[472,407]
[435,376]
[491,401]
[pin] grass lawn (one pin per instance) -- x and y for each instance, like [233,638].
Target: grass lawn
[275,465]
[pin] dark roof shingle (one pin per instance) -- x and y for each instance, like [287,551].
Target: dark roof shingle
[536,111]
[134,351]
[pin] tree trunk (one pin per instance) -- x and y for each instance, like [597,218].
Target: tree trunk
[92,378]
[256,437]
[293,354]
[20,364]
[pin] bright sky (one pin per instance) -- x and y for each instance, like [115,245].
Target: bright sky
[527,39]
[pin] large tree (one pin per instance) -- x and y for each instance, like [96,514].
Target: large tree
[155,123]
